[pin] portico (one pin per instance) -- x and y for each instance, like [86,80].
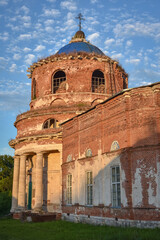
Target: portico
[31,172]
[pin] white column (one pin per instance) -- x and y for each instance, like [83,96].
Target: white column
[22,182]
[39,182]
[15,183]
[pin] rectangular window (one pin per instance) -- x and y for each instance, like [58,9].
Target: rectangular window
[69,189]
[89,188]
[115,186]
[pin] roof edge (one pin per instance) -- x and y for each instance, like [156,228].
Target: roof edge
[79,55]
[108,99]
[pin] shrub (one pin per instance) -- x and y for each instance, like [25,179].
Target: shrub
[5,202]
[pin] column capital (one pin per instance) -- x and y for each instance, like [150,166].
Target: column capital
[40,153]
[24,155]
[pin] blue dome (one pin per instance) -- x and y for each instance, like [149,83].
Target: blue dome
[80,47]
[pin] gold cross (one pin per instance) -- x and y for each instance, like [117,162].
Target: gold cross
[80,17]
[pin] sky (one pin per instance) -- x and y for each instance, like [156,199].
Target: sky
[125,30]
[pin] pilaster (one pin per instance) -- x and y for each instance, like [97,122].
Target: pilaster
[39,182]
[22,182]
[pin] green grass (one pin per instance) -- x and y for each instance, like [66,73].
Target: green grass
[60,230]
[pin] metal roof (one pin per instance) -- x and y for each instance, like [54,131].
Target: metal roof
[80,47]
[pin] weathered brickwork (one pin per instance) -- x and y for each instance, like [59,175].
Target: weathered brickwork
[88,147]
[132,119]
[38,144]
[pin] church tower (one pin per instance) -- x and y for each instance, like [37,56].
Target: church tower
[75,79]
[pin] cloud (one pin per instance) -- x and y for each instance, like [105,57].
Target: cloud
[129,43]
[52,1]
[39,48]
[3,62]
[93,1]
[28,84]
[13,67]
[51,12]
[7,151]
[16,56]
[14,95]
[25,9]
[2,59]
[109,42]
[145,83]
[70,5]
[153,65]
[136,28]
[29,58]
[49,29]
[4,36]
[49,22]
[3,2]
[93,36]
[92,20]
[117,56]
[26,36]
[26,18]
[26,49]
[133,60]
[70,19]
[38,26]
[144,77]
[14,27]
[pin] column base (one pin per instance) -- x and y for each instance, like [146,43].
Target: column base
[38,210]
[13,210]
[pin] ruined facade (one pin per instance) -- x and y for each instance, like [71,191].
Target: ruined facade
[81,149]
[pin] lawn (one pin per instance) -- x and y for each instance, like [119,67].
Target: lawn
[60,230]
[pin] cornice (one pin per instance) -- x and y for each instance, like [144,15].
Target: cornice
[72,56]
[28,139]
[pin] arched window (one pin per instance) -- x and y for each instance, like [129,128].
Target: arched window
[69,158]
[98,82]
[58,78]
[34,89]
[51,123]
[115,146]
[88,152]
[124,81]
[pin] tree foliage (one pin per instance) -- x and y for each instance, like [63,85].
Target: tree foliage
[6,172]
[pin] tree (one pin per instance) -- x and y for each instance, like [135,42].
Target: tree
[6,172]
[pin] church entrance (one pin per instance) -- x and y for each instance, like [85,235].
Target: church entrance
[30,190]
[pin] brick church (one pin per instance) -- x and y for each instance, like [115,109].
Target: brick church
[89,147]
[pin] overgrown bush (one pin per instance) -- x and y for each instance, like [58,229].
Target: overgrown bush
[6,176]
[5,202]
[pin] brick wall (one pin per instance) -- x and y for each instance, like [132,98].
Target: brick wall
[132,119]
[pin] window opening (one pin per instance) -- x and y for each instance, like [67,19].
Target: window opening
[34,89]
[51,123]
[115,146]
[115,182]
[69,158]
[98,82]
[58,78]
[89,188]
[124,81]
[89,153]
[69,189]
